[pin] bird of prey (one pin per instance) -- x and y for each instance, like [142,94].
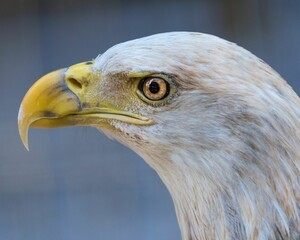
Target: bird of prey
[219,126]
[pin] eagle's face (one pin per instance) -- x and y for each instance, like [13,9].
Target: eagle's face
[163,94]
[136,92]
[153,94]
[158,94]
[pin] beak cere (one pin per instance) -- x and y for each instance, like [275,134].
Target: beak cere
[57,100]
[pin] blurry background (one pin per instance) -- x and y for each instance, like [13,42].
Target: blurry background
[75,183]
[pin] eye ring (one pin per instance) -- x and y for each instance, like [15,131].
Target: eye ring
[154,88]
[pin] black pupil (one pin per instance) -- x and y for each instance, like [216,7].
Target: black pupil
[154,87]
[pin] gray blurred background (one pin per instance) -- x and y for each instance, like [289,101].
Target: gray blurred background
[75,183]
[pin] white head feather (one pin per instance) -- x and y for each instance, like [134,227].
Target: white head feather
[226,145]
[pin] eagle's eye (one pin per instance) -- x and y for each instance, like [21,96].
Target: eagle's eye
[154,88]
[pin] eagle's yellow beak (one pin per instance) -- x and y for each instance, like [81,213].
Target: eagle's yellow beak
[62,98]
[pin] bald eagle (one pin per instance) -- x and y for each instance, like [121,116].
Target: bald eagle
[219,126]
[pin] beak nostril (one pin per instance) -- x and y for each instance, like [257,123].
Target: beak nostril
[74,84]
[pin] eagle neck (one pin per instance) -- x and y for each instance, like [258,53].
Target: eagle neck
[200,207]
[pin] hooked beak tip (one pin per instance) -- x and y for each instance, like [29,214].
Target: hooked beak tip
[23,129]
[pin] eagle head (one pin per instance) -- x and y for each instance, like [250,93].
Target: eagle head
[220,127]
